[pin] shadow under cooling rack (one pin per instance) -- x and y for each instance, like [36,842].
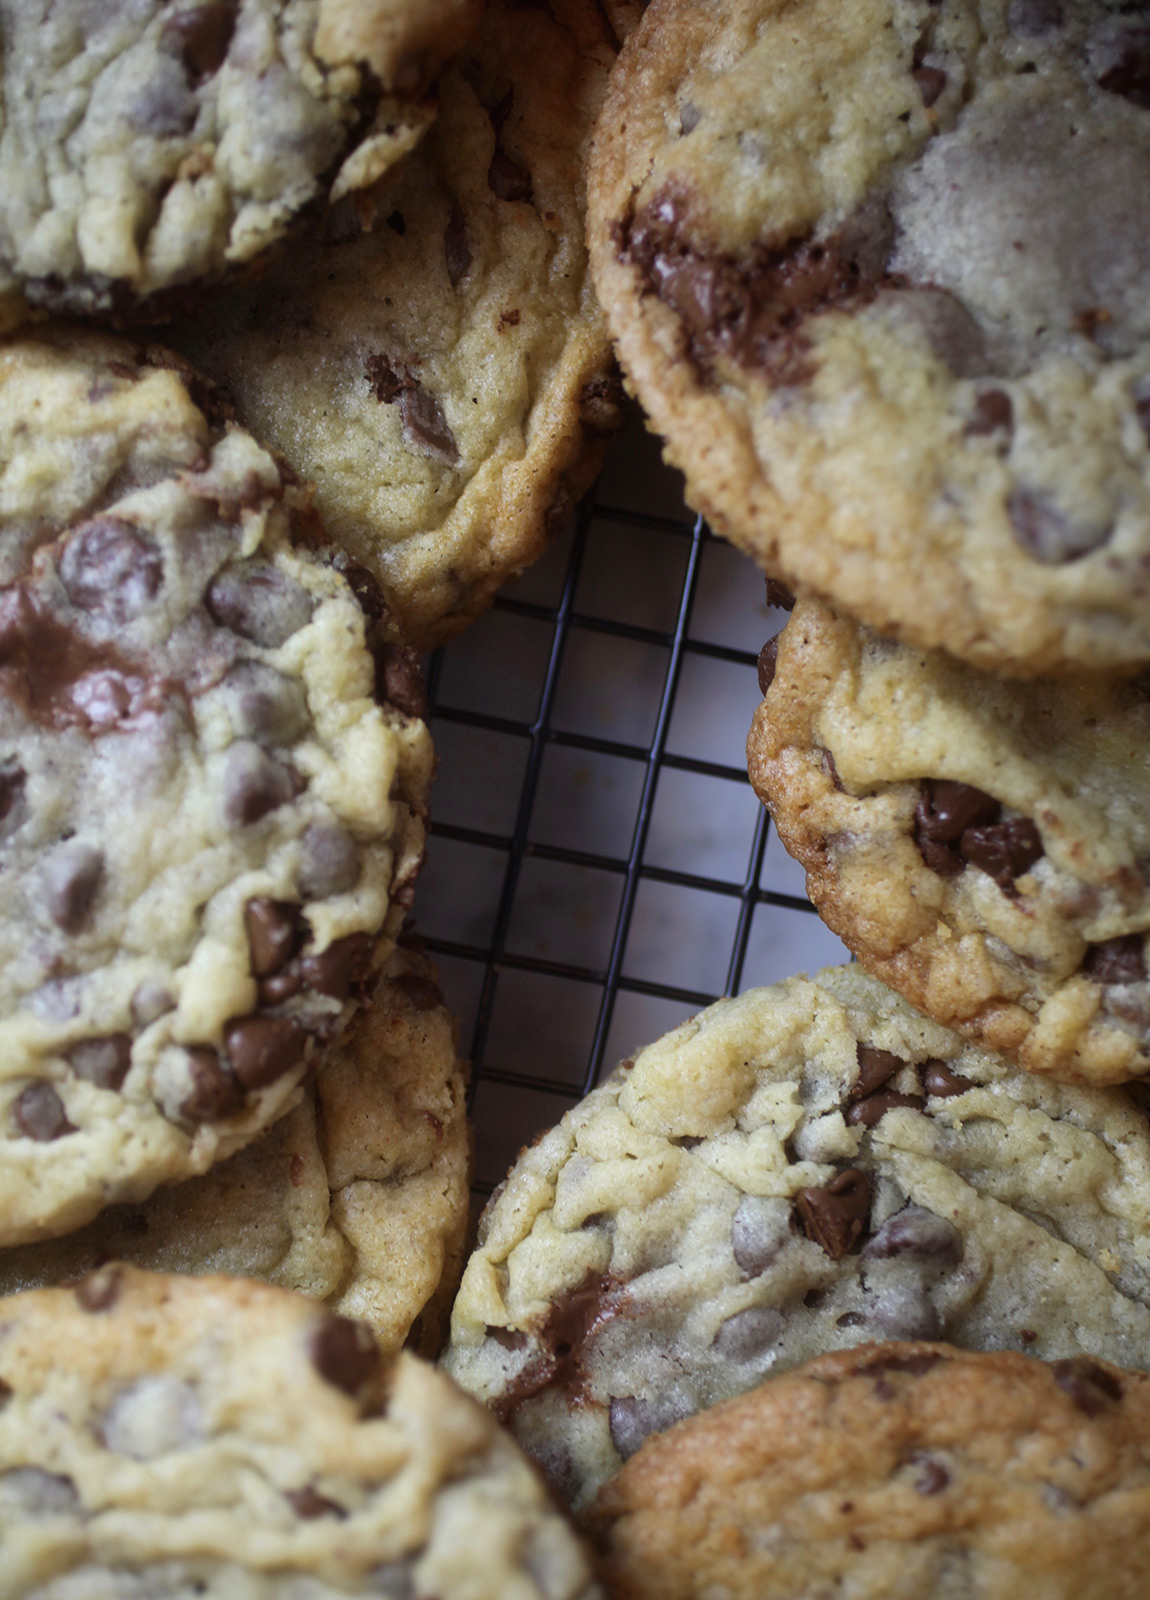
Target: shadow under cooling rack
[599,867]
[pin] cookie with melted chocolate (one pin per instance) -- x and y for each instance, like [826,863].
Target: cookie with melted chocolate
[878,276]
[799,1170]
[148,150]
[436,362]
[211,817]
[168,1436]
[914,1470]
[978,843]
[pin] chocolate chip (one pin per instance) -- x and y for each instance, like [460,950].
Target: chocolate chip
[150,1002]
[268,707]
[456,247]
[38,1493]
[1045,533]
[71,881]
[779,596]
[281,986]
[946,809]
[938,1080]
[104,1062]
[253,784]
[39,1113]
[748,1334]
[932,1477]
[163,106]
[420,992]
[308,1503]
[768,662]
[393,1580]
[631,1419]
[399,679]
[365,587]
[1130,74]
[261,1049]
[345,1354]
[1116,960]
[993,412]
[904,1311]
[834,1216]
[342,964]
[931,82]
[100,1289]
[1089,1386]
[601,403]
[506,179]
[12,809]
[329,861]
[876,1067]
[424,423]
[867,1113]
[1004,850]
[215,1094]
[257,601]
[947,326]
[198,37]
[108,566]
[273,930]
[759,1229]
[915,1234]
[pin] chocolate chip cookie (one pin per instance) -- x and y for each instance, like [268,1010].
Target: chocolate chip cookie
[979,843]
[798,1170]
[166,1437]
[878,274]
[147,147]
[212,794]
[436,363]
[895,1472]
[357,1197]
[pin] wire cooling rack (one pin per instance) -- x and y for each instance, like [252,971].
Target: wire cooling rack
[599,867]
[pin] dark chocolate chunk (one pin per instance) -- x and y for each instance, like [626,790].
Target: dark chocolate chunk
[931,82]
[993,412]
[107,565]
[938,1080]
[748,1334]
[1004,850]
[345,1354]
[456,246]
[506,179]
[779,596]
[253,784]
[214,1093]
[261,1049]
[834,1216]
[274,933]
[99,1289]
[257,601]
[344,963]
[914,1233]
[1130,74]
[39,1113]
[308,1503]
[104,1062]
[932,1477]
[198,37]
[399,679]
[1089,1386]
[867,1113]
[876,1067]
[768,662]
[72,878]
[1046,533]
[1116,960]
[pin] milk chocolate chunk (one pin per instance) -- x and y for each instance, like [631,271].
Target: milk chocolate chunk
[344,963]
[866,1113]
[104,1062]
[71,881]
[345,1354]
[273,930]
[256,600]
[1089,1386]
[39,1112]
[938,1080]
[214,1093]
[876,1067]
[253,784]
[1116,960]
[834,1216]
[108,566]
[1046,533]
[261,1049]
[198,38]
[1004,850]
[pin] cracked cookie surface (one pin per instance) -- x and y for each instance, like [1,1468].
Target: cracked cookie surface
[358,1197]
[150,146]
[980,844]
[878,278]
[165,1437]
[895,1472]
[213,792]
[802,1169]
[436,362]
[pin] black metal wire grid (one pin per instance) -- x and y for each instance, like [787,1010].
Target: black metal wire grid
[494,954]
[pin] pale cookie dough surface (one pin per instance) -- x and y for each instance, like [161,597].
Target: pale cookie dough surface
[166,1437]
[895,1472]
[445,379]
[798,1170]
[211,812]
[878,274]
[358,1197]
[148,145]
[979,843]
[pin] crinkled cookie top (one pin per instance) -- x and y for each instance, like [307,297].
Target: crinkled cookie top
[796,1171]
[211,792]
[164,1437]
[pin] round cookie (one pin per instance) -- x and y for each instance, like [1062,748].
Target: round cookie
[211,812]
[144,148]
[165,1437]
[879,277]
[895,1472]
[358,1197]
[798,1170]
[436,362]
[978,843]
